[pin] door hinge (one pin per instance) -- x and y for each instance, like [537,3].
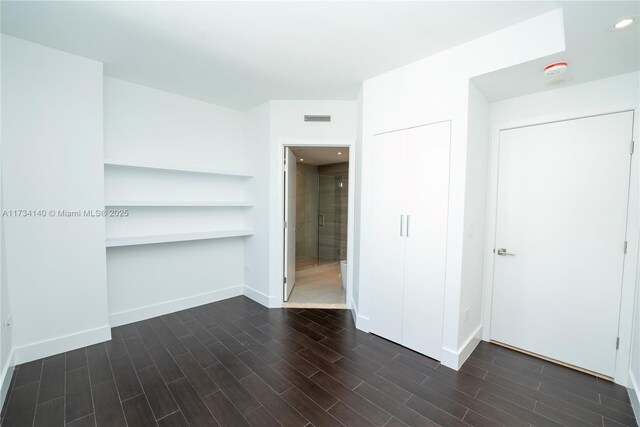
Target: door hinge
[625,246]
[617,343]
[285,280]
[285,224]
[633,144]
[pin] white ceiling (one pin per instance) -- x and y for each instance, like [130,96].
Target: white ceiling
[321,155]
[239,54]
[593,50]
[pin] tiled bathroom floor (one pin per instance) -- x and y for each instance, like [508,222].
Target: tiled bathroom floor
[305,263]
[319,287]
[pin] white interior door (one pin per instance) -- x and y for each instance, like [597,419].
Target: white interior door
[389,219]
[290,223]
[426,237]
[561,218]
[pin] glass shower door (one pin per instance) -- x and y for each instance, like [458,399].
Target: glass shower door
[332,215]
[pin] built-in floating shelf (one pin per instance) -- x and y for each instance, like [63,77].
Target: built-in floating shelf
[175,237]
[160,203]
[171,168]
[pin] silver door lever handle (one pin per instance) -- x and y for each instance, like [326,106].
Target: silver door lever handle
[503,252]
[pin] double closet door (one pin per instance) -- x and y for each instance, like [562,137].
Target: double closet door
[411,196]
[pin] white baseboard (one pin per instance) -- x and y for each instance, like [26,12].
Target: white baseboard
[634,395]
[455,359]
[354,312]
[362,322]
[262,298]
[257,296]
[153,310]
[5,379]
[275,302]
[57,345]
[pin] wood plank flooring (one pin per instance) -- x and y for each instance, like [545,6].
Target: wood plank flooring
[236,363]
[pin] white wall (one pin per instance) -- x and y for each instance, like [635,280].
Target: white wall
[289,128]
[52,159]
[287,120]
[601,96]
[257,256]
[6,345]
[6,336]
[425,92]
[284,123]
[150,125]
[155,127]
[475,207]
[634,364]
[357,210]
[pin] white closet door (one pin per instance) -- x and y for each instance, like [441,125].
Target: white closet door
[390,161]
[426,238]
[562,205]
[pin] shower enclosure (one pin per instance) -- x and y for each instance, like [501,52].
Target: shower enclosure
[321,214]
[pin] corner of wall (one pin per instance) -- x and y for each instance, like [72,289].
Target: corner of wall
[256,295]
[362,322]
[454,359]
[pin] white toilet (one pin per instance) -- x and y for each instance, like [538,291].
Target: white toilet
[343,273]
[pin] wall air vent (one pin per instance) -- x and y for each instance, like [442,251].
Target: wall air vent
[317,118]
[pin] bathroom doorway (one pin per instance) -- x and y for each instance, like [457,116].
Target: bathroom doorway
[316,223]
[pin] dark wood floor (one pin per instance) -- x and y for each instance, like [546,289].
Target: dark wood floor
[236,363]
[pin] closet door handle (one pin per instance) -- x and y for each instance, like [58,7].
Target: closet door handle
[408,217]
[401,224]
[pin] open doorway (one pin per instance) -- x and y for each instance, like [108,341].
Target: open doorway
[316,222]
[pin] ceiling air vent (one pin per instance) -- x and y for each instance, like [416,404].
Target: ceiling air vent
[316,118]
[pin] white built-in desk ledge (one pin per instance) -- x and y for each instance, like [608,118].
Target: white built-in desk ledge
[169,203]
[175,237]
[171,168]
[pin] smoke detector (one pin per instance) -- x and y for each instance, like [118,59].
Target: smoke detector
[555,69]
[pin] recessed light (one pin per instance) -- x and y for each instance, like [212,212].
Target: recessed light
[623,23]
[302,160]
[339,153]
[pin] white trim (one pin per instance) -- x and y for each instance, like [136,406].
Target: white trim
[159,309]
[275,225]
[112,242]
[354,312]
[362,322]
[630,263]
[61,344]
[469,345]
[257,296]
[178,203]
[5,379]
[171,168]
[455,359]
[634,393]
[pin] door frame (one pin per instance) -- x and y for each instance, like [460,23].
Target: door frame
[288,155]
[277,285]
[628,296]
